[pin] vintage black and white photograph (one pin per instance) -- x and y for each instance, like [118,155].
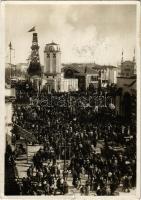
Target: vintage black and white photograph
[70,99]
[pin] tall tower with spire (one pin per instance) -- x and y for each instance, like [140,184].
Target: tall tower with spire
[34,68]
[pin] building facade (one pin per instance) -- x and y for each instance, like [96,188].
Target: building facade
[84,75]
[126,84]
[91,74]
[68,84]
[52,59]
[127,68]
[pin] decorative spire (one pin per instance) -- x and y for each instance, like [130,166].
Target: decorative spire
[10,46]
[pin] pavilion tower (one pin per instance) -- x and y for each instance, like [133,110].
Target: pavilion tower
[52,67]
[52,58]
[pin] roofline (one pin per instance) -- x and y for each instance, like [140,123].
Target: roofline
[85,65]
[132,77]
[45,51]
[52,43]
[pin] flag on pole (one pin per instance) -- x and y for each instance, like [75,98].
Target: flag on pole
[32,29]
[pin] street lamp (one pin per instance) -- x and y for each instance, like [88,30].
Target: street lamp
[65,152]
[10,49]
[105,98]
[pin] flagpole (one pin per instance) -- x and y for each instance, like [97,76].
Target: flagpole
[10,65]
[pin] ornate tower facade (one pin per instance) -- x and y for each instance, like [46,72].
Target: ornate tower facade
[52,59]
[34,68]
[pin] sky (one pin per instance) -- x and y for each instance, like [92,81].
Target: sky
[86,33]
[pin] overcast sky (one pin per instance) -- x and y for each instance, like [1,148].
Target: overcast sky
[86,33]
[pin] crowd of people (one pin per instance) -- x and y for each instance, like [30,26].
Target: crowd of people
[97,146]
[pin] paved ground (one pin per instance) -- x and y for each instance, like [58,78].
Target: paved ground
[131,193]
[23,162]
